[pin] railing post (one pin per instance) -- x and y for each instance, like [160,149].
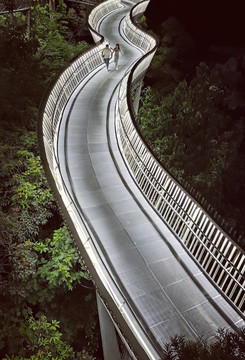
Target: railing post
[108,333]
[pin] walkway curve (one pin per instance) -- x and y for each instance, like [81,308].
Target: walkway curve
[151,286]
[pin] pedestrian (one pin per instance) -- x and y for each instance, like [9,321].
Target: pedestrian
[117,51]
[106,54]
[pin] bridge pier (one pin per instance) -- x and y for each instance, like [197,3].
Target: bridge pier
[108,333]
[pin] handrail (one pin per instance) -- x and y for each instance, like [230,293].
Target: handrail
[50,116]
[86,2]
[220,258]
[23,5]
[15,6]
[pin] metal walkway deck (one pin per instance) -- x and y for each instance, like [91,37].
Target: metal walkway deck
[161,283]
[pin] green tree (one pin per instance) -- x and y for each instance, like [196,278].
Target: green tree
[46,278]
[41,339]
[18,96]
[77,15]
[174,59]
[38,274]
[56,44]
[195,137]
[227,345]
[59,262]
[42,53]
[29,195]
[41,273]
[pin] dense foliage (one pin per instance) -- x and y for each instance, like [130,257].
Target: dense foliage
[47,304]
[192,116]
[39,275]
[42,53]
[227,345]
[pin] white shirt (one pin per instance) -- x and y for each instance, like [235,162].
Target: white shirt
[106,53]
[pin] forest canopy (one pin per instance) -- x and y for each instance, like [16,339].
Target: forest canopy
[47,302]
[192,116]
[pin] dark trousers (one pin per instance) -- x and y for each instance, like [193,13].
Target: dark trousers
[106,62]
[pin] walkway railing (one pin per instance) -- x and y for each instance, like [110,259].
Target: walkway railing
[220,258]
[97,14]
[86,2]
[7,6]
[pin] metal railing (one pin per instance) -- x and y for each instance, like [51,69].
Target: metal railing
[86,2]
[97,15]
[220,258]
[7,6]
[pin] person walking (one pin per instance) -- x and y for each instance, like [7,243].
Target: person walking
[116,52]
[106,54]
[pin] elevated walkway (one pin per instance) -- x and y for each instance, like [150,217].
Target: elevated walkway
[161,285]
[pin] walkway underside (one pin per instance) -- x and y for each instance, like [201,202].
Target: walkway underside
[159,279]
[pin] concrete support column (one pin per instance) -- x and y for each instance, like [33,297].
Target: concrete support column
[108,333]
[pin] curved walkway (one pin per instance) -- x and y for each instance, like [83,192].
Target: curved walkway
[160,281]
